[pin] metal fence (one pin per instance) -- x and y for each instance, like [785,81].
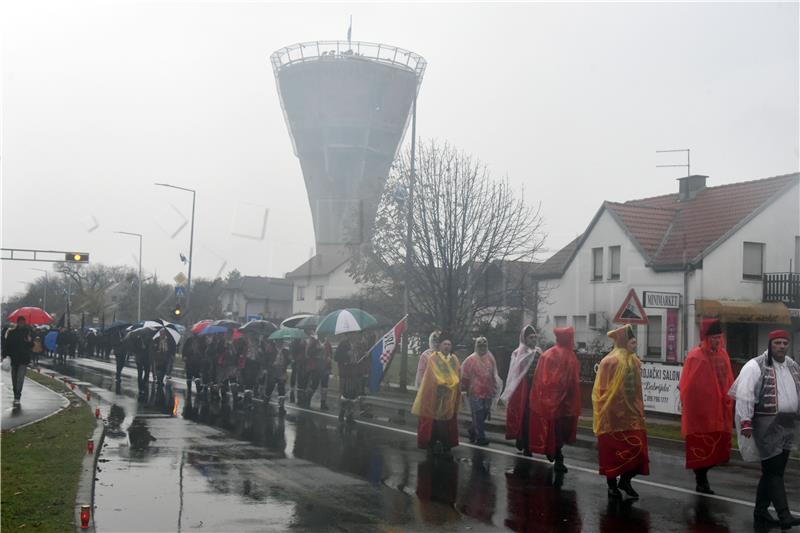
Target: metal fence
[345,50]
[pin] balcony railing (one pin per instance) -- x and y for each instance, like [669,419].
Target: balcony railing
[782,287]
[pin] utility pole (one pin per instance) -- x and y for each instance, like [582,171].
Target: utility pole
[409,244]
[191,247]
[46,283]
[139,308]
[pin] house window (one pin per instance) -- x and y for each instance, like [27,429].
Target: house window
[301,293]
[561,321]
[320,292]
[654,336]
[597,264]
[581,331]
[753,260]
[614,254]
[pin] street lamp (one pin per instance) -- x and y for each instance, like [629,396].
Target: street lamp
[409,244]
[46,283]
[191,245]
[139,309]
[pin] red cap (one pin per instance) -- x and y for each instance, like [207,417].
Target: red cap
[778,334]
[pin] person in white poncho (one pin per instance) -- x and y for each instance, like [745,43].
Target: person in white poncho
[767,394]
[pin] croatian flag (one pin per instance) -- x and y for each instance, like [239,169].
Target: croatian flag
[381,354]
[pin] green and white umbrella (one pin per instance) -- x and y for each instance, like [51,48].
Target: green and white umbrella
[287,334]
[345,321]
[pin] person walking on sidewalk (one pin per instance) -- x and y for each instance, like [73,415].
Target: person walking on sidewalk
[482,384]
[707,410]
[18,347]
[433,343]
[555,399]
[438,400]
[516,395]
[619,415]
[767,394]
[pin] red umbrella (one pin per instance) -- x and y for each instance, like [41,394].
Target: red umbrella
[200,326]
[32,315]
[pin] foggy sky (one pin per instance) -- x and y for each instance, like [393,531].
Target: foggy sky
[570,101]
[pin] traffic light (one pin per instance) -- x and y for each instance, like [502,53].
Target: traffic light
[177,312]
[76,257]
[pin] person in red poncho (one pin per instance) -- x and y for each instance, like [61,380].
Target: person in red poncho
[555,399]
[707,410]
[518,384]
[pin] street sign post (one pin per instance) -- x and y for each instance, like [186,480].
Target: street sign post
[631,311]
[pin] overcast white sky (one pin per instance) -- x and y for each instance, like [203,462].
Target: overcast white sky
[569,100]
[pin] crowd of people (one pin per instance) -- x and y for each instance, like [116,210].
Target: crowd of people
[543,404]
[297,368]
[541,393]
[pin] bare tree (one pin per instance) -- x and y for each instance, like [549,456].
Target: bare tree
[464,222]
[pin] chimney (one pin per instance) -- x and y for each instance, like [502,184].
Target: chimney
[690,186]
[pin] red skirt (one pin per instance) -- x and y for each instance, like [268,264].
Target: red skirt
[548,435]
[447,431]
[515,411]
[622,452]
[707,449]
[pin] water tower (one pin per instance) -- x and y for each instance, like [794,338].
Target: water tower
[347,106]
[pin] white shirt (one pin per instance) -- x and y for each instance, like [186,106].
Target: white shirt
[787,391]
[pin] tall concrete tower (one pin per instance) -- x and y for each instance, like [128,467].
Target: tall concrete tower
[347,105]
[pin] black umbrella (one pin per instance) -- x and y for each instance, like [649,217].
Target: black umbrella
[309,322]
[139,333]
[117,325]
[230,324]
[258,327]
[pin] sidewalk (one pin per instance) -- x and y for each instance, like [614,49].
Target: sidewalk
[38,402]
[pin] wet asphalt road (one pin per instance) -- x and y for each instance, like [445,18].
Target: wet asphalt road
[165,473]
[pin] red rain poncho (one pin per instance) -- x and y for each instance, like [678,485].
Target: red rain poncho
[707,410]
[555,397]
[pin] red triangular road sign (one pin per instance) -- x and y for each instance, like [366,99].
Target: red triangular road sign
[631,311]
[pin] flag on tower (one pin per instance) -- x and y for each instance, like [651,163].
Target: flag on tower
[381,354]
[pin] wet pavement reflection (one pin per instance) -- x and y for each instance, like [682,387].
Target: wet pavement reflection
[257,471]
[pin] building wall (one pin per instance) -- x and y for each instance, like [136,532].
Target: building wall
[337,284]
[575,294]
[721,276]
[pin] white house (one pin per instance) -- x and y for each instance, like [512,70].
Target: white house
[256,296]
[730,251]
[323,277]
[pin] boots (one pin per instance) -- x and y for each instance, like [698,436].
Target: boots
[613,491]
[292,397]
[701,477]
[625,486]
[281,408]
[559,463]
[323,399]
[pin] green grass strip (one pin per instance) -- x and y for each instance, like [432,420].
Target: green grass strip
[41,467]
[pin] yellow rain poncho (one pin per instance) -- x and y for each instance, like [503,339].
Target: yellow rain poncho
[438,396]
[617,392]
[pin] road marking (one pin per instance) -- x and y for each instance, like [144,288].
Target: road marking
[538,460]
[544,461]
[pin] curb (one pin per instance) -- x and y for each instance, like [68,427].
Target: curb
[85,493]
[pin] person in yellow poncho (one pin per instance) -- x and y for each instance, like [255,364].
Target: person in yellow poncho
[619,415]
[438,399]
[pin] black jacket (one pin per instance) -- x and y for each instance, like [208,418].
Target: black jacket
[18,345]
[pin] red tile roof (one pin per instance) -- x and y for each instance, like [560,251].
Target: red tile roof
[669,232]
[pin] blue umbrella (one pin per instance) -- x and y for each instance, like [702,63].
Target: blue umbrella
[211,330]
[50,340]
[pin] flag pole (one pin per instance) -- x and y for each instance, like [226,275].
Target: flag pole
[379,341]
